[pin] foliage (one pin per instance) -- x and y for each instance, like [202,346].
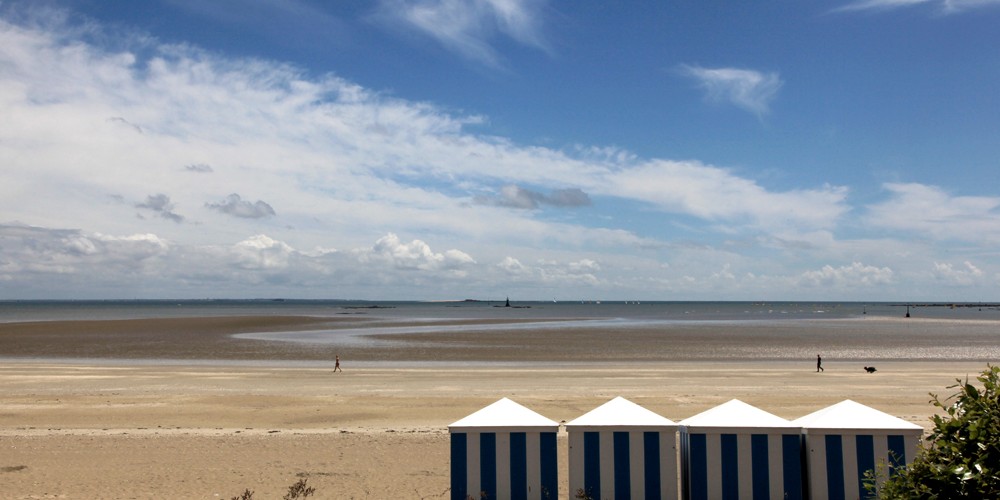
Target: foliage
[962,456]
[247,495]
[299,490]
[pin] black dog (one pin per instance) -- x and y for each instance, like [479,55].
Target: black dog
[870,369]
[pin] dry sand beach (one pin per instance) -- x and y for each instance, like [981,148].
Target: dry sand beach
[179,408]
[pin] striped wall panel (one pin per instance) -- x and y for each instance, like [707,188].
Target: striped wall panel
[837,462]
[623,464]
[504,465]
[742,466]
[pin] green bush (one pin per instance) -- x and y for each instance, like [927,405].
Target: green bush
[961,456]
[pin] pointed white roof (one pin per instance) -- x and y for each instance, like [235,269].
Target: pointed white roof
[505,415]
[848,415]
[735,416]
[620,412]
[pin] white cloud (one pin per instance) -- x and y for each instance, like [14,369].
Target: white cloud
[415,255]
[262,252]
[717,194]
[91,137]
[584,266]
[512,265]
[117,266]
[923,211]
[966,275]
[34,253]
[946,6]
[557,275]
[881,4]
[854,275]
[750,90]
[962,5]
[468,26]
[339,147]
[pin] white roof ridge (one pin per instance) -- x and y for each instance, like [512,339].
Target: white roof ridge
[736,414]
[620,412]
[849,414]
[507,414]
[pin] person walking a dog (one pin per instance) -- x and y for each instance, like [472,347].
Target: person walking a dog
[819,363]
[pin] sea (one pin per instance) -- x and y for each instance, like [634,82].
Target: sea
[680,330]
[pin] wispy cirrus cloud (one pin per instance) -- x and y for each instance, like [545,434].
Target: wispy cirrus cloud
[719,195]
[946,6]
[468,27]
[931,212]
[349,146]
[747,89]
[351,168]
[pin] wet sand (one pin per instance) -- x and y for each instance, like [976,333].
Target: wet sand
[178,408]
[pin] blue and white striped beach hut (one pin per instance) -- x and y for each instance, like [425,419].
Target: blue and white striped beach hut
[845,440]
[622,450]
[738,451]
[504,451]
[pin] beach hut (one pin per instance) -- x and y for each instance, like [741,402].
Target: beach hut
[504,451]
[738,451]
[847,439]
[622,450]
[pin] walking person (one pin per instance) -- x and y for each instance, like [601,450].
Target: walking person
[336,365]
[819,364]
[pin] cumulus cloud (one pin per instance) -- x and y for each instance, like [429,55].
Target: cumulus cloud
[512,196]
[30,253]
[854,275]
[511,265]
[965,275]
[237,207]
[468,26]
[551,273]
[263,252]
[413,255]
[750,90]
[161,205]
[36,262]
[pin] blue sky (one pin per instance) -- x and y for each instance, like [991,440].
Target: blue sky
[444,149]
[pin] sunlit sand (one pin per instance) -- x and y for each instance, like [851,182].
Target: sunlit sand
[185,427]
